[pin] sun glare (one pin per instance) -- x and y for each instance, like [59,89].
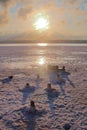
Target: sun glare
[41,23]
[41,61]
[42,44]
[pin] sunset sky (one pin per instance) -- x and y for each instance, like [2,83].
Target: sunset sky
[43,19]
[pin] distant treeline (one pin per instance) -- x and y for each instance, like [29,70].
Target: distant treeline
[45,41]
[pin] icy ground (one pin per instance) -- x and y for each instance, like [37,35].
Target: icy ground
[67,103]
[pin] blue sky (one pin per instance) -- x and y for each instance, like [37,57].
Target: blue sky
[67,19]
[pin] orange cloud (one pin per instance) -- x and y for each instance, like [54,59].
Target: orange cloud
[72,2]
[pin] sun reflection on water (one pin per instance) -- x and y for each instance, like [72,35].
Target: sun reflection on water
[42,44]
[41,61]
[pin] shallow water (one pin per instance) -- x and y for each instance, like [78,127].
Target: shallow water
[26,56]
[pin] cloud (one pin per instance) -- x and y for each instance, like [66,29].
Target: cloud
[6,3]
[5,6]
[3,15]
[3,18]
[24,12]
[35,7]
[64,16]
[4,11]
[73,2]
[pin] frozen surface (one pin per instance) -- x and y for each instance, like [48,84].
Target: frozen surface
[67,103]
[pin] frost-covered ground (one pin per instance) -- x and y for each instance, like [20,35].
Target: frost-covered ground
[67,103]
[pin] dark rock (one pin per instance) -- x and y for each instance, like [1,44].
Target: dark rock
[67,126]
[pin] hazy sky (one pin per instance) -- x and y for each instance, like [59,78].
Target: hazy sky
[66,19]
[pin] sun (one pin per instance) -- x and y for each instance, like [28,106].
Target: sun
[41,23]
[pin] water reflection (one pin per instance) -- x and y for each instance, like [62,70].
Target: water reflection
[42,44]
[33,62]
[41,61]
[32,56]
